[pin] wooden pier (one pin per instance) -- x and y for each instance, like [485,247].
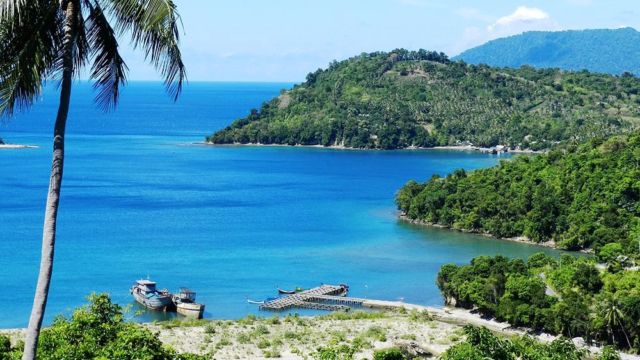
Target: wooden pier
[325,297]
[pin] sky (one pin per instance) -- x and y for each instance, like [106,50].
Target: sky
[283,40]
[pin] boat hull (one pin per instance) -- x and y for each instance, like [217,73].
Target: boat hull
[159,303]
[191,310]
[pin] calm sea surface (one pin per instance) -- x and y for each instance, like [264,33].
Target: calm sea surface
[141,200]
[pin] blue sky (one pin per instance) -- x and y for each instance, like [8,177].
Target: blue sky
[282,40]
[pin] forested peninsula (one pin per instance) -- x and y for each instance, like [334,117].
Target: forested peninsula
[581,197]
[567,296]
[407,99]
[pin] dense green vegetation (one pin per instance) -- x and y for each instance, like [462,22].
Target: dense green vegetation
[612,51]
[583,196]
[569,296]
[96,331]
[402,99]
[481,344]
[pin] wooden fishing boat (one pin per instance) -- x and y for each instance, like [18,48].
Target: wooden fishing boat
[290,292]
[192,310]
[286,292]
[259,302]
[146,294]
[186,304]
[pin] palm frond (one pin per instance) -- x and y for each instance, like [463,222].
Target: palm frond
[28,54]
[11,8]
[153,25]
[82,48]
[108,69]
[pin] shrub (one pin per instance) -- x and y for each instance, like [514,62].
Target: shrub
[98,331]
[608,353]
[342,352]
[389,354]
[7,352]
[376,333]
[482,344]
[210,329]
[609,253]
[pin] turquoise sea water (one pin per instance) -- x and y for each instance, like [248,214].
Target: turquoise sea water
[140,199]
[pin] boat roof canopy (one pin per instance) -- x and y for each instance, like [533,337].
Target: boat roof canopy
[145,282]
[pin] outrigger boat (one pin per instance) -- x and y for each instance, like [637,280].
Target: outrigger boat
[145,293]
[186,304]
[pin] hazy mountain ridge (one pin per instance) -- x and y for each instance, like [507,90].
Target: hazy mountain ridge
[611,51]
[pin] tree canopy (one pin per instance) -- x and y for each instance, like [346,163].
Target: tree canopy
[567,296]
[582,197]
[481,344]
[97,331]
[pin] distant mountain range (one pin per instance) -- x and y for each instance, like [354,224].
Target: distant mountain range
[611,51]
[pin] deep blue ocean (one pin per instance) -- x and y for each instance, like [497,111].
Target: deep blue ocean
[140,199]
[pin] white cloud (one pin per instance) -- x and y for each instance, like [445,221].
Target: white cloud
[522,19]
[522,14]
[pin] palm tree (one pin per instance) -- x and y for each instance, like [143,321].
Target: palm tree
[55,39]
[614,319]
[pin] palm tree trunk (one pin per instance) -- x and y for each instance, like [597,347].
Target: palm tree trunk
[626,336]
[55,183]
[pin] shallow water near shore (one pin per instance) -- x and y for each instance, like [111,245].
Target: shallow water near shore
[140,200]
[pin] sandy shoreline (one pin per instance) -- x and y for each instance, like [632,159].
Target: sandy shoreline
[482,149]
[521,239]
[469,148]
[17,146]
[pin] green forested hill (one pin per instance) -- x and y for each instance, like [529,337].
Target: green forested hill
[611,51]
[567,296]
[580,196]
[402,99]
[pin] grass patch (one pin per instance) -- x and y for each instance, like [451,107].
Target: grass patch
[376,333]
[210,328]
[222,343]
[243,338]
[420,316]
[263,344]
[271,353]
[261,330]
[176,323]
[249,320]
[354,315]
[291,335]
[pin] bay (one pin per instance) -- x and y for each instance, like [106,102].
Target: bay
[141,199]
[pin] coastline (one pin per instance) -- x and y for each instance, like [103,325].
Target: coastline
[17,146]
[520,239]
[468,148]
[485,150]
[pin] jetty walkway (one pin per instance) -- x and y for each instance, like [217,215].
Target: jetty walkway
[325,297]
